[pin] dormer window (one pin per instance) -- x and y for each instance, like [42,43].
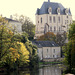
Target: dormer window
[50,10]
[66,11]
[58,10]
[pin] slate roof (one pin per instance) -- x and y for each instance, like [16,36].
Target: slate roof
[54,6]
[11,20]
[45,44]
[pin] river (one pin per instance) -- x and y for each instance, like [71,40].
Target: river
[46,70]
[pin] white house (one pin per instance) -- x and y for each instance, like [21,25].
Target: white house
[47,49]
[15,25]
[52,17]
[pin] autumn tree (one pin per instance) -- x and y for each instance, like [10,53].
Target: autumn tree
[48,36]
[15,49]
[23,55]
[4,38]
[11,48]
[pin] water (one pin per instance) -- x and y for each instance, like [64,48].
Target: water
[51,70]
[47,70]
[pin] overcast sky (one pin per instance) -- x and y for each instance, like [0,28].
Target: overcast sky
[28,7]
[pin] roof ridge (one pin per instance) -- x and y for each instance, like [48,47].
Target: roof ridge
[51,2]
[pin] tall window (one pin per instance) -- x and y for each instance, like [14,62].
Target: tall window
[47,50]
[67,16]
[41,20]
[38,21]
[54,19]
[67,26]
[59,28]
[67,21]
[54,29]
[54,51]
[50,19]
[50,28]
[59,19]
[53,55]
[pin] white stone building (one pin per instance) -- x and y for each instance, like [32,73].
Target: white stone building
[52,17]
[48,50]
[15,25]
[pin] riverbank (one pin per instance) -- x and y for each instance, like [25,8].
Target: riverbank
[45,63]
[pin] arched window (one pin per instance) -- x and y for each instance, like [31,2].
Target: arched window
[58,10]
[50,10]
[66,11]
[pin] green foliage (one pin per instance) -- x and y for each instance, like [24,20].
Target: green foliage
[29,28]
[23,55]
[61,38]
[15,49]
[69,49]
[11,51]
[33,57]
[72,32]
[27,25]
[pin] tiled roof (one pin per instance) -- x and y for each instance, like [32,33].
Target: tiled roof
[45,44]
[54,6]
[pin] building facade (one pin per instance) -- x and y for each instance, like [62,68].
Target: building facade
[14,25]
[48,50]
[52,17]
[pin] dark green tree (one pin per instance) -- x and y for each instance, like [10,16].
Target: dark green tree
[29,28]
[69,49]
[61,38]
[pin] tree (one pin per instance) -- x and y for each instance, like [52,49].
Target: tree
[69,49]
[29,28]
[27,25]
[72,39]
[8,48]
[61,38]
[33,57]
[12,51]
[24,55]
[48,36]
[4,38]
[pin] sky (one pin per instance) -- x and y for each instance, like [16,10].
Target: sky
[28,7]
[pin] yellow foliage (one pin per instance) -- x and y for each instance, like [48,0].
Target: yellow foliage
[14,54]
[25,53]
